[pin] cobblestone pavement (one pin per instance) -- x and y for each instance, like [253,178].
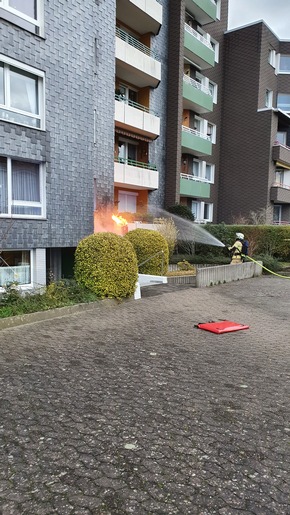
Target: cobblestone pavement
[130,409]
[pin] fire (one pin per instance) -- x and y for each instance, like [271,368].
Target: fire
[119,220]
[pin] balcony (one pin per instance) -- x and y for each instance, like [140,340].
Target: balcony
[197,48]
[136,63]
[196,97]
[204,11]
[130,115]
[141,176]
[281,154]
[195,143]
[191,186]
[280,193]
[143,16]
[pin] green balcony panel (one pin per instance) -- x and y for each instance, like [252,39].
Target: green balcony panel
[192,188]
[205,11]
[197,51]
[196,99]
[195,144]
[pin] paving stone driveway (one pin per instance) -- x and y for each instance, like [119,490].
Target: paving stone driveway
[129,409]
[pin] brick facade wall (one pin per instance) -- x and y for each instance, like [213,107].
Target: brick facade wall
[77,56]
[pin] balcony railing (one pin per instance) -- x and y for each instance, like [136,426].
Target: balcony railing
[125,36]
[279,185]
[195,178]
[197,85]
[195,132]
[122,98]
[198,36]
[132,162]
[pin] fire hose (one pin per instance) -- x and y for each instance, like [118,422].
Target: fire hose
[270,271]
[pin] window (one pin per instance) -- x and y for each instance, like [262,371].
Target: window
[21,189]
[196,168]
[28,14]
[277,214]
[207,212]
[15,267]
[127,202]
[283,101]
[211,132]
[284,64]
[269,98]
[209,172]
[127,151]
[218,8]
[215,47]
[213,90]
[128,94]
[279,177]
[281,137]
[203,170]
[272,58]
[21,93]
[202,211]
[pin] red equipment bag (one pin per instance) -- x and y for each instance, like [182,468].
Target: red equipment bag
[224,326]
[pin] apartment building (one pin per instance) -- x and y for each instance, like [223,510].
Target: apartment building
[105,106]
[195,43]
[255,144]
[56,60]
[140,104]
[80,125]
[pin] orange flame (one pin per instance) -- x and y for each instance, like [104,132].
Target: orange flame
[119,220]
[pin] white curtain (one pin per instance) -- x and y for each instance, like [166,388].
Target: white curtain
[1,84]
[23,91]
[25,181]
[3,186]
[15,274]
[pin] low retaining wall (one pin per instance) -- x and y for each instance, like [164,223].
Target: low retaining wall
[209,276]
[181,279]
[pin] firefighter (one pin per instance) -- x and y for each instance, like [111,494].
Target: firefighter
[236,249]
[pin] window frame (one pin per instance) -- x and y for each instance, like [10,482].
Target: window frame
[40,76]
[272,57]
[269,98]
[283,72]
[199,216]
[22,285]
[12,203]
[131,194]
[37,22]
[284,95]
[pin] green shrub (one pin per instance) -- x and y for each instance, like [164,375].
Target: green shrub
[269,262]
[106,264]
[185,265]
[263,239]
[151,250]
[58,294]
[182,211]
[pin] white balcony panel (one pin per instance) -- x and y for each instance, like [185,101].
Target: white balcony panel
[142,122]
[139,178]
[135,66]
[141,15]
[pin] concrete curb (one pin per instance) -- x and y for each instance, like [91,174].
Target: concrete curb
[39,316]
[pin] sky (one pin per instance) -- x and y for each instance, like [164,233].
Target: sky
[275,13]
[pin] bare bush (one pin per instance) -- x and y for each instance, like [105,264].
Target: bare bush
[167,228]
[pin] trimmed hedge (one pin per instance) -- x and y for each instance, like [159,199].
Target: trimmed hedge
[107,265]
[273,240]
[151,250]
